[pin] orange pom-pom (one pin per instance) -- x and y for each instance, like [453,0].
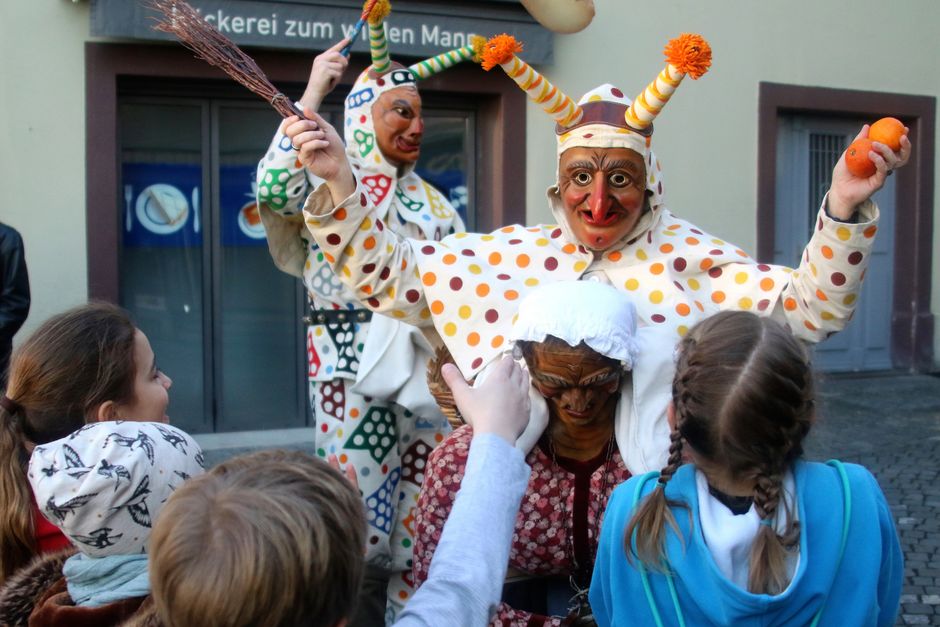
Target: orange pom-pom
[690,54]
[379,11]
[499,50]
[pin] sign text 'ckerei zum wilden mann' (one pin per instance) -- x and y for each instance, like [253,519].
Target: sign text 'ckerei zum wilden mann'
[410,31]
[430,35]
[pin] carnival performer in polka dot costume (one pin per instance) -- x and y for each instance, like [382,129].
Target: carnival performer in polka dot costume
[367,374]
[613,226]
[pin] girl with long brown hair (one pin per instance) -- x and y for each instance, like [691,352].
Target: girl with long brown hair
[747,533]
[85,365]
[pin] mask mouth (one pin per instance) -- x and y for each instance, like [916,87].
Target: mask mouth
[581,415]
[404,145]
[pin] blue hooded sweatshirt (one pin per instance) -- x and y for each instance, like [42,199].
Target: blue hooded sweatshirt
[861,588]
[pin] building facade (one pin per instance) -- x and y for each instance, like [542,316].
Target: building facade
[128,164]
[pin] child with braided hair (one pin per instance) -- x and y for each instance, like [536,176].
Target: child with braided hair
[747,533]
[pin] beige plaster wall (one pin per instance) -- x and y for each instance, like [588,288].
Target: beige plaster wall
[42,146]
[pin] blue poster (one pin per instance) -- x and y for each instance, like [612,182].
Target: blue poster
[161,204]
[241,224]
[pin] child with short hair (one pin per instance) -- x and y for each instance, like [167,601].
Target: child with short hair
[104,486]
[748,533]
[277,539]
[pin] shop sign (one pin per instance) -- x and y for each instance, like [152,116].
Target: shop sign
[413,30]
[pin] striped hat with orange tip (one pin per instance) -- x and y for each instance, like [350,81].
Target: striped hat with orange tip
[501,50]
[382,61]
[438,63]
[378,43]
[686,55]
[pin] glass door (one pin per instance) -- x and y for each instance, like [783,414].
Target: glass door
[163,253]
[224,322]
[258,325]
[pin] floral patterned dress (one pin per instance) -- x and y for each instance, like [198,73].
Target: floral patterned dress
[558,523]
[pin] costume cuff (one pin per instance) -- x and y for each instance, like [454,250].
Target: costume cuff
[849,236]
[865,212]
[320,204]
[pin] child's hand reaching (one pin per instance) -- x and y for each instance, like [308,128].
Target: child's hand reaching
[500,405]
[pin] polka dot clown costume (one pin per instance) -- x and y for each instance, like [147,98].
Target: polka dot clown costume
[367,374]
[468,286]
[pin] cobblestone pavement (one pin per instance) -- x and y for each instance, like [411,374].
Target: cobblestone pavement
[891,425]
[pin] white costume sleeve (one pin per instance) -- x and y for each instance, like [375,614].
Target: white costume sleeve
[377,264]
[282,183]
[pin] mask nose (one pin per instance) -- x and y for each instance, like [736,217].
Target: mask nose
[577,399]
[600,200]
[417,127]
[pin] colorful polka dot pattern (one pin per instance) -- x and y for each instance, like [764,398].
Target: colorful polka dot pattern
[413,462]
[414,201]
[374,434]
[313,357]
[333,354]
[343,416]
[604,135]
[336,348]
[380,510]
[333,399]
[676,273]
[475,284]
[272,189]
[378,186]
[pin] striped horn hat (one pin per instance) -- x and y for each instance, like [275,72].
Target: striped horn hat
[603,117]
[382,62]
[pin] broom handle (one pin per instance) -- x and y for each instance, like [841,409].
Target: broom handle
[358,27]
[286,107]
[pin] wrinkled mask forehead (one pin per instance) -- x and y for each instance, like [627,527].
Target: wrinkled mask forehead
[602,124]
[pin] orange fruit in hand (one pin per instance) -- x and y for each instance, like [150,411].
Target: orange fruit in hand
[887,131]
[856,158]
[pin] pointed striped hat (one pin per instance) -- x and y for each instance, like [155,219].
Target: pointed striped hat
[382,61]
[603,117]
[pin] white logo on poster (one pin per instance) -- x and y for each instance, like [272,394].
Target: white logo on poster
[162,209]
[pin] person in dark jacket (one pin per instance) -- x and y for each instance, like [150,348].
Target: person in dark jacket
[14,293]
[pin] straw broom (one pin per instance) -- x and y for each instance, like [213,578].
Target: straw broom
[186,24]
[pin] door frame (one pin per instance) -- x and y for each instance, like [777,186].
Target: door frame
[912,323]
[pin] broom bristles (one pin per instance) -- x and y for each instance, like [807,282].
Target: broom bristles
[186,24]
